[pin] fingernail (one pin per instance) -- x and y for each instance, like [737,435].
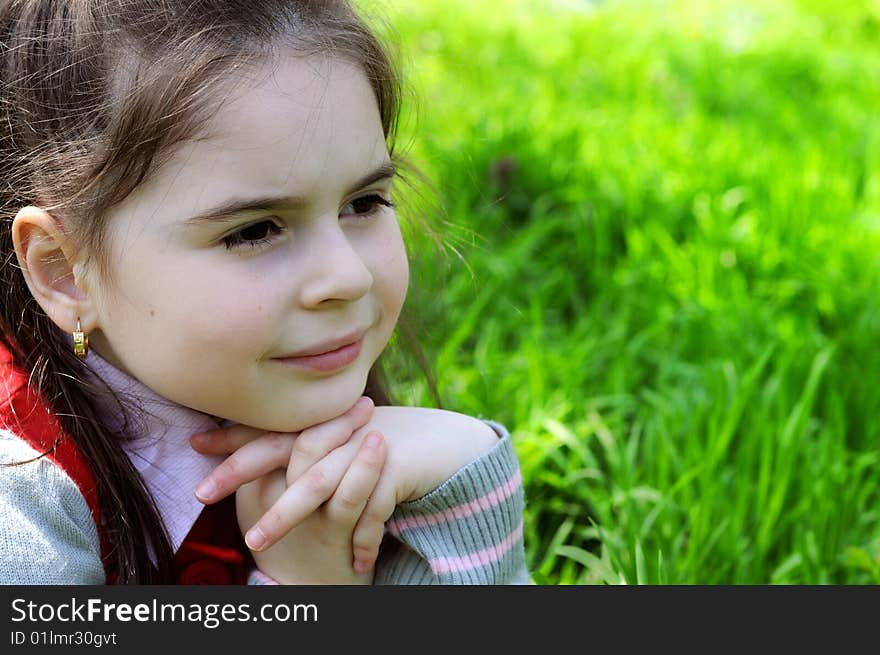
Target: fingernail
[255,539]
[363,402]
[206,489]
[361,566]
[374,439]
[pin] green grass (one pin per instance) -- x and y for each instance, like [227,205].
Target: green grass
[670,218]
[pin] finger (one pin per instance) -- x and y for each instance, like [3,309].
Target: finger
[370,529]
[347,504]
[224,441]
[248,463]
[243,467]
[303,497]
[315,442]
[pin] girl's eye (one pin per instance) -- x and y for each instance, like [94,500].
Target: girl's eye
[254,235]
[262,233]
[365,205]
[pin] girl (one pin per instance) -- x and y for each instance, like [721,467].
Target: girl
[201,239]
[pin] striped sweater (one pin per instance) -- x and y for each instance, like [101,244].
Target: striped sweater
[466,531]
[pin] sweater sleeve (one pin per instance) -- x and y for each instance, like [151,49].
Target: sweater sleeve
[257,577]
[466,531]
[47,535]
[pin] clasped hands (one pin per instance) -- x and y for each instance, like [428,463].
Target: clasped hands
[313,504]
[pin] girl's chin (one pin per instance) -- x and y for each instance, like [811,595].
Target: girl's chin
[313,406]
[314,416]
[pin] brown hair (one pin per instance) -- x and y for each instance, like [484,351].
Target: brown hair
[94,93]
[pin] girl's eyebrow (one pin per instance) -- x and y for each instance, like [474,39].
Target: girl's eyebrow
[229,209]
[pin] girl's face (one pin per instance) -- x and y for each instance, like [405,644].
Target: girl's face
[206,295]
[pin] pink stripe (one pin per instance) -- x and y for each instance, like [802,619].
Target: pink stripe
[480,558]
[259,578]
[481,504]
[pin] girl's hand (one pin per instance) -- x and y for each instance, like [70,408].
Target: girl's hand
[425,447]
[325,485]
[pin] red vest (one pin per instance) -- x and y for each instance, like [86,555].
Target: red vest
[213,552]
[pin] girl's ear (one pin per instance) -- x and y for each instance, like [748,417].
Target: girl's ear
[46,257]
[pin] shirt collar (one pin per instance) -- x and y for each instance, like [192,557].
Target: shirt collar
[160,448]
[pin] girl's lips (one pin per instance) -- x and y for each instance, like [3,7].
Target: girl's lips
[329,361]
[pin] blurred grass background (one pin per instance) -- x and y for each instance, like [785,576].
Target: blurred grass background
[669,220]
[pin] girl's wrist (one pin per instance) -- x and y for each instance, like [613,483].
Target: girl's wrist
[482,439]
[471,441]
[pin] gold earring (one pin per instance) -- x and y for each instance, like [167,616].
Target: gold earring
[80,341]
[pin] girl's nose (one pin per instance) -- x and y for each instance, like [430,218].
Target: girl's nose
[336,270]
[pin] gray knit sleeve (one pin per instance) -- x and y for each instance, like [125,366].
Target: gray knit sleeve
[466,531]
[47,535]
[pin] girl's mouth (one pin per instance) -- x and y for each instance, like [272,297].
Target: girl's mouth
[329,361]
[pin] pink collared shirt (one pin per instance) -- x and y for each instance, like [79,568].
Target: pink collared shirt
[161,452]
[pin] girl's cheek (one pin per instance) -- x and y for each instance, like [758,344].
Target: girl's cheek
[399,270]
[402,273]
[233,309]
[393,265]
